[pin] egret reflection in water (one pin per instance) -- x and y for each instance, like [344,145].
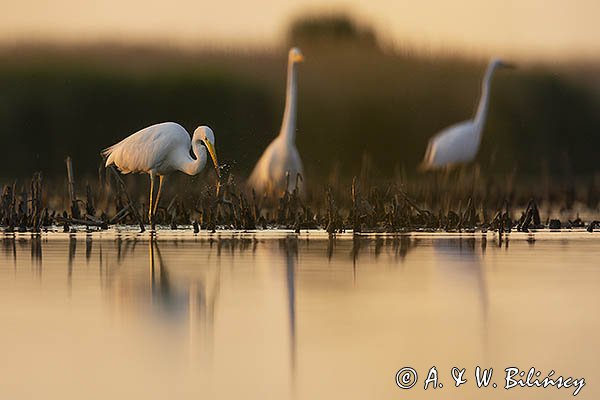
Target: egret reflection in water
[459,263]
[165,292]
[189,293]
[289,248]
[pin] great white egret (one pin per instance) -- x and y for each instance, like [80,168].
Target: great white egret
[161,149]
[281,156]
[459,143]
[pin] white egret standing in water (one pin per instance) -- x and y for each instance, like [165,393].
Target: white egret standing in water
[161,149]
[459,143]
[281,156]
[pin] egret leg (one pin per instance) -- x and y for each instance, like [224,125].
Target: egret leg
[160,183]
[150,214]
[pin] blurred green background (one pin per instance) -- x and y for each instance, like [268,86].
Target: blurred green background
[359,99]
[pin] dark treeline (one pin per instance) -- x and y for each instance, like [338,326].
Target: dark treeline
[356,98]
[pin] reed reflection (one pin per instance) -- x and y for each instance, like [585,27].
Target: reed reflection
[36,252]
[88,247]
[399,245]
[9,248]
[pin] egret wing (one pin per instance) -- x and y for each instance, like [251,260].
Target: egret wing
[148,149]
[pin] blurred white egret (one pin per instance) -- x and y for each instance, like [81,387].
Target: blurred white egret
[161,149]
[459,143]
[281,156]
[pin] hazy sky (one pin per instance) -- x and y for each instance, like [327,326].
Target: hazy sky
[524,28]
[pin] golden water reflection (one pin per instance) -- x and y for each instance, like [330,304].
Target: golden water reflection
[289,317]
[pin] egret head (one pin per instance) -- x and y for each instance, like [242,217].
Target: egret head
[295,56]
[207,138]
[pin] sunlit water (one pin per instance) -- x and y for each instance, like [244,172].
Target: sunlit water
[233,316]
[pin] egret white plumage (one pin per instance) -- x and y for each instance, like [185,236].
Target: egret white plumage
[161,149]
[281,156]
[459,143]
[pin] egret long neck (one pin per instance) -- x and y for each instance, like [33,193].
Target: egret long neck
[482,108]
[288,126]
[191,166]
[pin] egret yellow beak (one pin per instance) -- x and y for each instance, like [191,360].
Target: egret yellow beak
[213,155]
[299,58]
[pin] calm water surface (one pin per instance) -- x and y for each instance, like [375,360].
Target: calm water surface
[286,317]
